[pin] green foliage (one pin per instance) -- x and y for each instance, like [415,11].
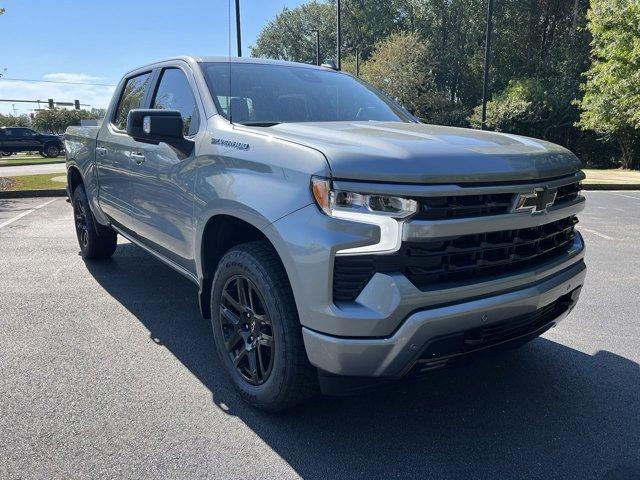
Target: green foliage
[429,54]
[57,121]
[401,66]
[14,120]
[289,35]
[611,102]
[522,107]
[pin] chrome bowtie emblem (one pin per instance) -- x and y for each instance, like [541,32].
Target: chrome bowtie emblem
[537,201]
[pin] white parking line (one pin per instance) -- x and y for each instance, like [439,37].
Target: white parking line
[602,235]
[626,196]
[25,213]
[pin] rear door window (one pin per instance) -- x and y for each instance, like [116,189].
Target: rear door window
[132,97]
[174,93]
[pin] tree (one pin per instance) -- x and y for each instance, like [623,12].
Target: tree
[57,121]
[364,23]
[14,120]
[401,66]
[289,35]
[611,102]
[522,107]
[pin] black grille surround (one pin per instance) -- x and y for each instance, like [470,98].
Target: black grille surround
[469,206]
[444,262]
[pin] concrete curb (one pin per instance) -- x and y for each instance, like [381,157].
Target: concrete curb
[33,193]
[26,164]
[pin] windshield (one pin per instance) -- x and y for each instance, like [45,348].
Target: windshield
[263,94]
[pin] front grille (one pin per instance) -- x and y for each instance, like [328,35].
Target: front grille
[457,259]
[467,206]
[463,206]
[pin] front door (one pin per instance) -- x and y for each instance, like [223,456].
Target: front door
[163,178]
[113,153]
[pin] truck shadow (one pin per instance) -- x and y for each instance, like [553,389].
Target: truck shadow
[543,411]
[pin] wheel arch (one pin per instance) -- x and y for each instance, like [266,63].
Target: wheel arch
[220,233]
[74,178]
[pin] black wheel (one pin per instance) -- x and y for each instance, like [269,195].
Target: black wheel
[51,151]
[96,241]
[257,333]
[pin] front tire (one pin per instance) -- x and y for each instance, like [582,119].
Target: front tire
[256,329]
[96,242]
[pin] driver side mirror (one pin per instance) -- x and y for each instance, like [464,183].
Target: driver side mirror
[155,126]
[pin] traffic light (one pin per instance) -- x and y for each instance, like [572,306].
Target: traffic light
[51,104]
[76,103]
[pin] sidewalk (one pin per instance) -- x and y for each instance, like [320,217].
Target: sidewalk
[7,171]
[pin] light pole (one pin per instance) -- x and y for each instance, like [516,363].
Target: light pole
[317,32]
[487,57]
[338,32]
[238,33]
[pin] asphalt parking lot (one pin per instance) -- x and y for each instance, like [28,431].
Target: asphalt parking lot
[107,370]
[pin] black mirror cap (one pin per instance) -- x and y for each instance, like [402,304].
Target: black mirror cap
[155,126]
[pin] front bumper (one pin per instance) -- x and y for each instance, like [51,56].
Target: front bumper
[395,355]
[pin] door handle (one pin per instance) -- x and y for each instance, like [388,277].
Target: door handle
[138,157]
[101,151]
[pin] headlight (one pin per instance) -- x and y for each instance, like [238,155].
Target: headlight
[387,212]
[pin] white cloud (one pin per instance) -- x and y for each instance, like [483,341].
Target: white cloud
[94,95]
[73,77]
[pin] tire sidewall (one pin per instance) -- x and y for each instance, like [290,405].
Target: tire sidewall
[79,196]
[240,262]
[52,151]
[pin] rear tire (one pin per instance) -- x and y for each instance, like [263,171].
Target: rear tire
[96,241]
[51,151]
[261,324]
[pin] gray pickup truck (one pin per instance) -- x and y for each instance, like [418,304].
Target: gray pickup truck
[337,241]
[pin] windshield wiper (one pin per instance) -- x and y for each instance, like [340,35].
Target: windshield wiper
[260,124]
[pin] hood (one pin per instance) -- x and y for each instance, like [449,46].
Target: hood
[419,153]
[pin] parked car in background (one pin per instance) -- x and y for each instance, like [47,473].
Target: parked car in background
[336,241]
[21,139]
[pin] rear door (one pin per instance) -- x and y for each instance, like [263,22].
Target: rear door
[163,180]
[113,151]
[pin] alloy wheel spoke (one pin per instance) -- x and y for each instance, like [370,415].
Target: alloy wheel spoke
[239,356]
[252,357]
[243,292]
[263,369]
[230,316]
[232,301]
[233,340]
[266,340]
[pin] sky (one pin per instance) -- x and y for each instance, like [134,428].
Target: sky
[96,41]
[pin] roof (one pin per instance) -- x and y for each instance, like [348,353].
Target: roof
[220,59]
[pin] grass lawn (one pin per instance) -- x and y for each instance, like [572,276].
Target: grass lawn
[616,177]
[16,160]
[33,182]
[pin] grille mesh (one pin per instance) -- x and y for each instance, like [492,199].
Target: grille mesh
[457,259]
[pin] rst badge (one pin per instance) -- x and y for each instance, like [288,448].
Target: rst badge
[537,201]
